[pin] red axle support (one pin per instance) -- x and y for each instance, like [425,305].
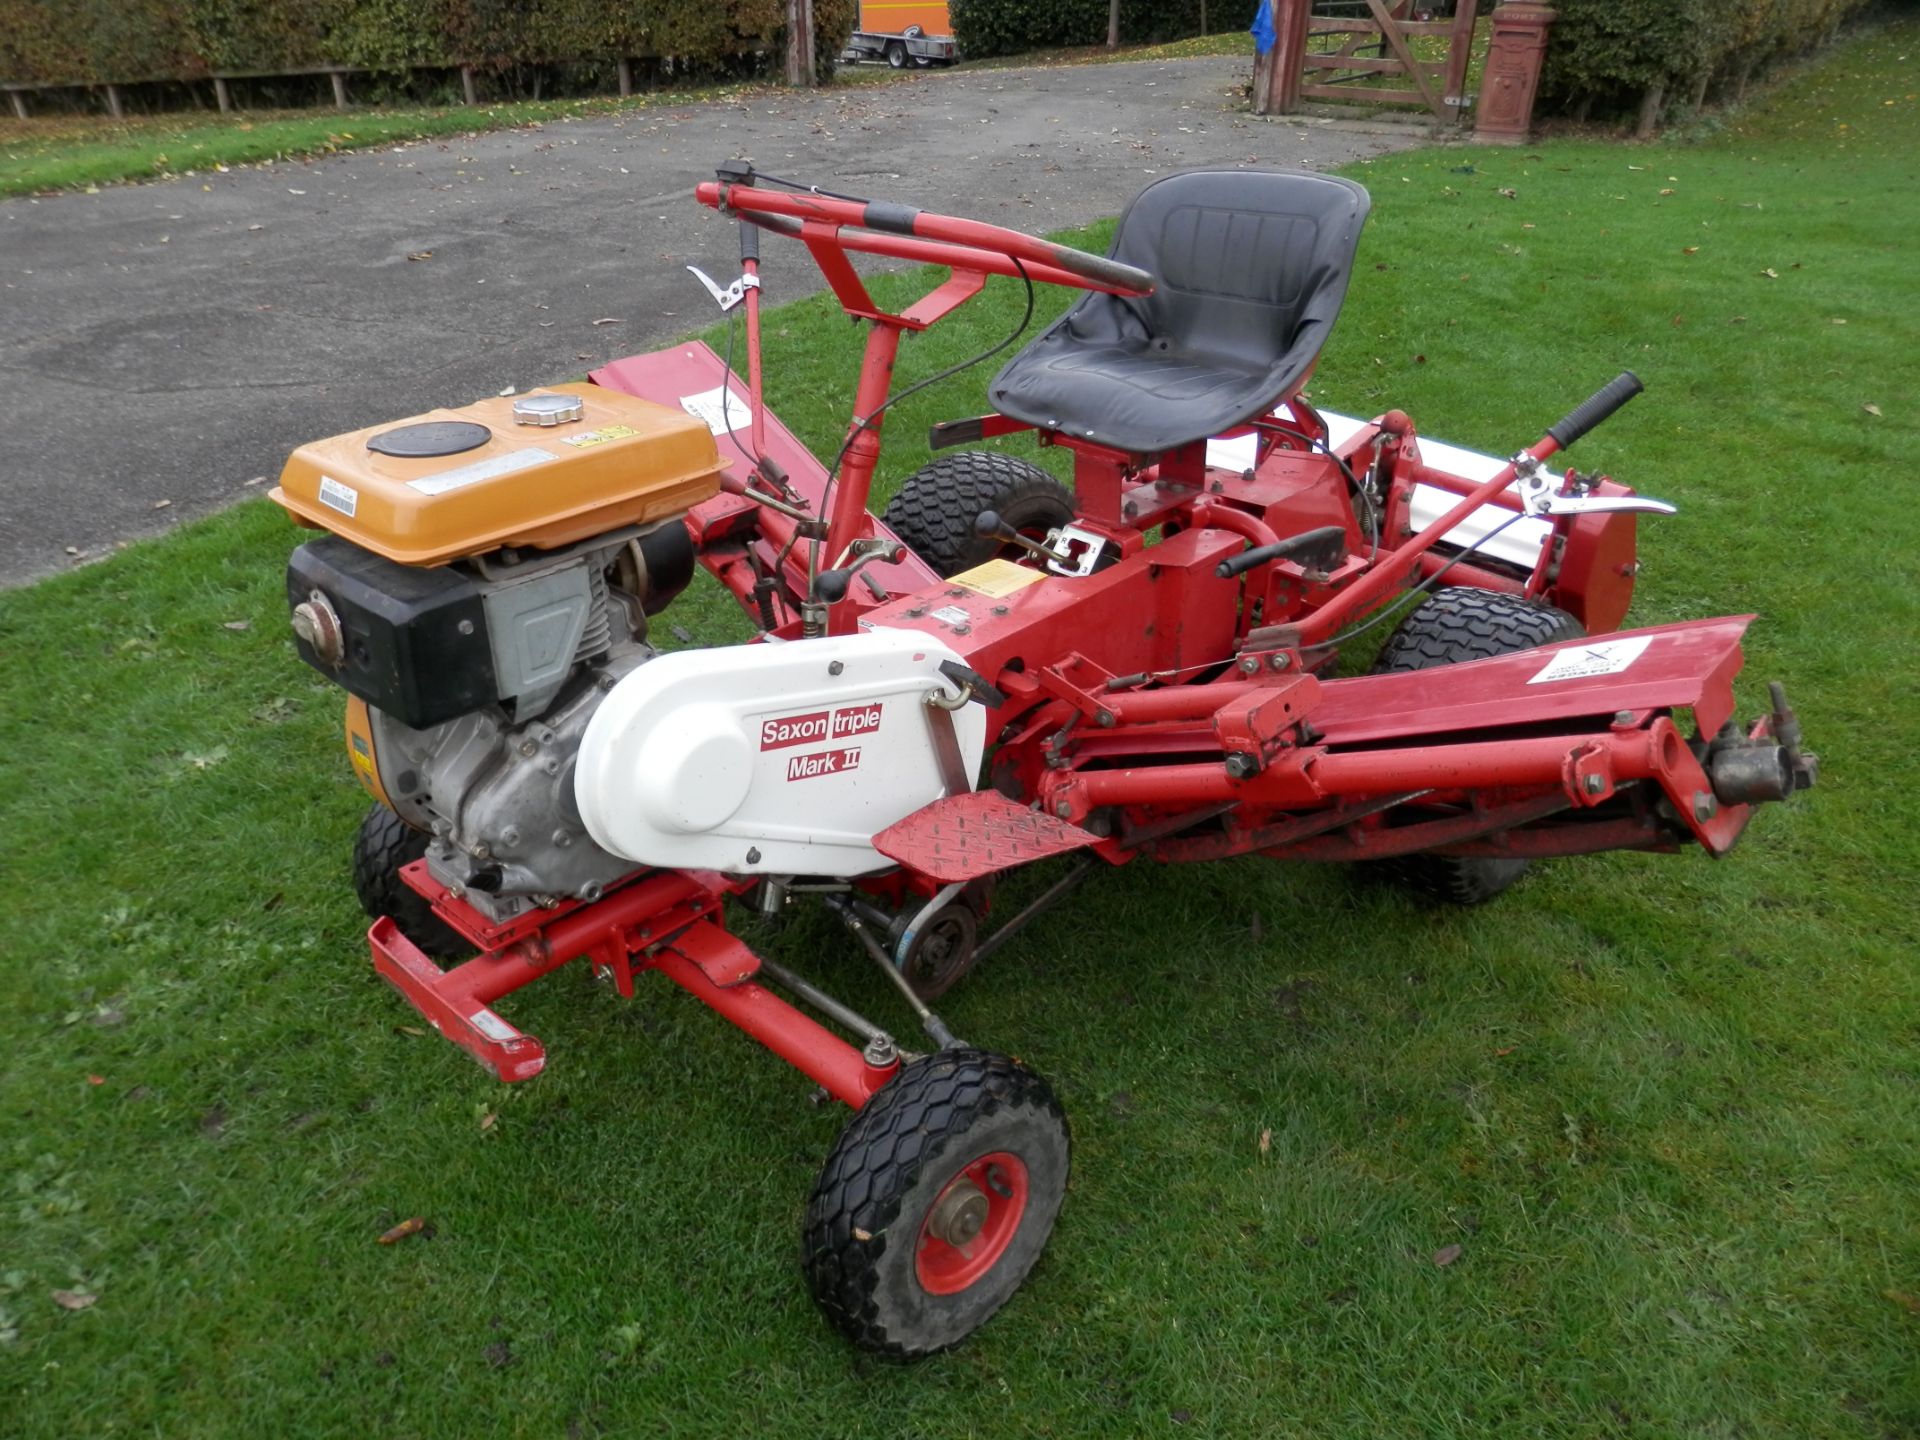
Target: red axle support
[764,1017]
[664,922]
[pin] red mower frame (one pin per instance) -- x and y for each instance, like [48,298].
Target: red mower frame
[1168,697]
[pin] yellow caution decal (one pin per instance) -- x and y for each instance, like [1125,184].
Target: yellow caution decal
[366,766]
[997,578]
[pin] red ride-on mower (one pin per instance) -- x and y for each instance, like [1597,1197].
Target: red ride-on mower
[1000,670]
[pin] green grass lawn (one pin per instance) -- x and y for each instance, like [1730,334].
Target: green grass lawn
[1669,1108]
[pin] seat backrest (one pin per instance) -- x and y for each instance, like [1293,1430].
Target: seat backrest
[1252,265]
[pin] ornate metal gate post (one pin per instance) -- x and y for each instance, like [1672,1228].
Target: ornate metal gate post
[1513,72]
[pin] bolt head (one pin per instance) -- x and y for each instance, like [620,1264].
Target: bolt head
[837,667]
[1063,809]
[527,747]
[753,855]
[1705,807]
[1595,784]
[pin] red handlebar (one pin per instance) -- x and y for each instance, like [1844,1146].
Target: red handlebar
[944,239]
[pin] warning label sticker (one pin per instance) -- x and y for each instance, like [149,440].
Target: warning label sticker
[1593,657]
[600,436]
[343,498]
[997,578]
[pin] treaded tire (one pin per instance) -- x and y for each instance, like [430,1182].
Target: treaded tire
[935,510]
[384,844]
[1457,625]
[865,1219]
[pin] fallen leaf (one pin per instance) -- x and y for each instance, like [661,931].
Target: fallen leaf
[236,624]
[292,191]
[1666,192]
[1509,194]
[1770,273]
[96,1079]
[1871,408]
[489,1120]
[411,1030]
[1910,1303]
[609,320]
[256,227]
[1691,250]
[862,1235]
[1505,1051]
[1446,1255]
[1266,1140]
[410,1226]
[1838,321]
[258,480]
[419,255]
[161,504]
[73,1299]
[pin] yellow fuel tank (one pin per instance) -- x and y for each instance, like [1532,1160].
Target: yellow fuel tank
[460,482]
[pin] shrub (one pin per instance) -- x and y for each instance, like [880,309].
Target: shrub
[1007,27]
[1607,56]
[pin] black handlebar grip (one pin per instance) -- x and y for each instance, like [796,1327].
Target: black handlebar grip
[989,526]
[832,585]
[749,243]
[1595,408]
[1323,545]
[1102,269]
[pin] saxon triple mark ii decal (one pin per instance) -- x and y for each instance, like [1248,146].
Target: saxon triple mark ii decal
[784,731]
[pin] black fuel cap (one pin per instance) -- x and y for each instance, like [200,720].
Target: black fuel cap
[430,438]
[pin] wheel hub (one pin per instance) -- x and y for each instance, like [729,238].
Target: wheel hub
[960,1213]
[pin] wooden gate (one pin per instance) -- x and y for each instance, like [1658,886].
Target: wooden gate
[1349,45]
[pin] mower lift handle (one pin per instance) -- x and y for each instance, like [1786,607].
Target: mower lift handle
[1596,408]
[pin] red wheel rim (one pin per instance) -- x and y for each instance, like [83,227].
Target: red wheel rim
[980,1208]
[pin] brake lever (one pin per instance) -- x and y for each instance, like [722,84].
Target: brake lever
[732,295]
[1539,492]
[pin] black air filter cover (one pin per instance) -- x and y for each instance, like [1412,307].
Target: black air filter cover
[430,439]
[414,640]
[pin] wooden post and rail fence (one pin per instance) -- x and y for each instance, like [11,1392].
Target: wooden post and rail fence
[1373,41]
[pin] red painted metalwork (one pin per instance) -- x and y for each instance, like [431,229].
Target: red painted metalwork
[807,1046]
[974,835]
[1000,1181]
[1154,707]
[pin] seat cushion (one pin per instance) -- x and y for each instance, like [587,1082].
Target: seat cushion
[1251,269]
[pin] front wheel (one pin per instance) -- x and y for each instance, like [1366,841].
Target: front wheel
[384,844]
[897,55]
[1457,625]
[935,1202]
[936,509]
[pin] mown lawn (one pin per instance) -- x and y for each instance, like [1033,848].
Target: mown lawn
[1667,1108]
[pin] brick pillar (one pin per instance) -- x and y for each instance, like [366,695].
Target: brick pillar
[1505,110]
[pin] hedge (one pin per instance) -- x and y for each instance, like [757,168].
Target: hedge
[1608,56]
[1007,27]
[55,41]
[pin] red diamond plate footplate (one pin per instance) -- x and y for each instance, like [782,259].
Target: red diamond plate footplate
[968,837]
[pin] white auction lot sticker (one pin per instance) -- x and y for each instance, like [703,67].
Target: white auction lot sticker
[1593,657]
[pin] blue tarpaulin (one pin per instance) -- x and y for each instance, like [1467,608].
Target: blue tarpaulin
[1262,30]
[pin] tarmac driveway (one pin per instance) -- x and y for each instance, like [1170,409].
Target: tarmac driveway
[165,345]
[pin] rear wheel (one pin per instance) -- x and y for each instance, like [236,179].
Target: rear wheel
[936,509]
[1455,626]
[384,844]
[897,55]
[936,1201]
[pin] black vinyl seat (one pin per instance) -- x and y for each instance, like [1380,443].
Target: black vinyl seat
[1252,267]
